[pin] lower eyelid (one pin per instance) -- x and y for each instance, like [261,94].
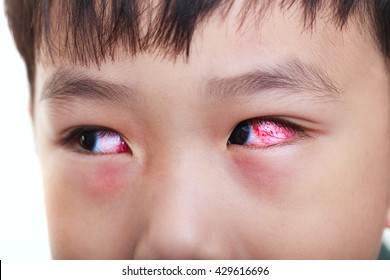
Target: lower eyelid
[290,142]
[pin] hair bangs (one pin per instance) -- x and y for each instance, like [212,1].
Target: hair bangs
[87,31]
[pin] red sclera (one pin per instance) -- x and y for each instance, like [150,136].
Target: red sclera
[268,132]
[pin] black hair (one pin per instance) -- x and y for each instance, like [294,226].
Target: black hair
[86,31]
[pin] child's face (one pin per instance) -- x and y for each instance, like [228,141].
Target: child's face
[165,168]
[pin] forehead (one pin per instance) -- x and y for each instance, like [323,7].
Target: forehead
[220,50]
[229,46]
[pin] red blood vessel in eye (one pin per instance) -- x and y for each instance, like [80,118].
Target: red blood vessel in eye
[123,148]
[268,132]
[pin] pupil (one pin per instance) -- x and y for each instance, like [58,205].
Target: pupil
[240,134]
[88,141]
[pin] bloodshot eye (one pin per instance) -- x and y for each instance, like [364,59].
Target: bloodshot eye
[102,142]
[95,141]
[263,133]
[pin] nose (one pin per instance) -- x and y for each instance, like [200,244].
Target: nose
[187,217]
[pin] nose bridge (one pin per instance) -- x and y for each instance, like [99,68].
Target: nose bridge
[183,196]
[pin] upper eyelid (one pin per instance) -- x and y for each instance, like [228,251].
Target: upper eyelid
[278,120]
[70,134]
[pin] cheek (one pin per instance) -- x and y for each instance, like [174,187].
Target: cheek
[91,178]
[86,197]
[106,178]
[268,175]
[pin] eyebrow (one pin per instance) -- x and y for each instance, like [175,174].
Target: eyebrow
[289,77]
[66,85]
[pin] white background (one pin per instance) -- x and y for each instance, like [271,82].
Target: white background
[23,233]
[22,217]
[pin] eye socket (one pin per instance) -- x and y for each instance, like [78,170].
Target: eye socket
[96,141]
[264,132]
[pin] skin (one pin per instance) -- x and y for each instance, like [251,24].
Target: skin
[184,193]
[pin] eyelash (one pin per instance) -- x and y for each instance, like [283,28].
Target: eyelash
[267,132]
[73,139]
